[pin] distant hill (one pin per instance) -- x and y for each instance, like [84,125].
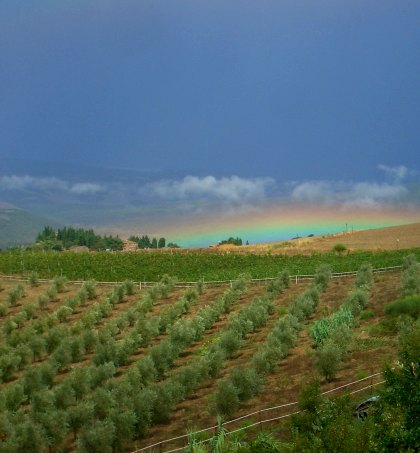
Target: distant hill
[19,227]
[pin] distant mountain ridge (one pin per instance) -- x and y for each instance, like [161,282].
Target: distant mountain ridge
[19,227]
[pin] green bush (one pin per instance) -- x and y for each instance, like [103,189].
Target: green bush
[356,301]
[230,341]
[33,279]
[59,283]
[247,382]
[322,276]
[90,288]
[327,360]
[63,313]
[364,276]
[226,398]
[51,293]
[339,247]
[3,309]
[411,281]
[322,329]
[409,305]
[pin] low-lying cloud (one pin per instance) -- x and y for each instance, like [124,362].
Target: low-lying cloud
[231,189]
[360,194]
[19,183]
[398,173]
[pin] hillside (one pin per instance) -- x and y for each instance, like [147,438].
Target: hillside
[388,238]
[128,367]
[19,227]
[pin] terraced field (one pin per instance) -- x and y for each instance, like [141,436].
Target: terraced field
[90,368]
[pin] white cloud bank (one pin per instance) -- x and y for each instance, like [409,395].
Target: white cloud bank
[231,189]
[398,173]
[360,194]
[17,183]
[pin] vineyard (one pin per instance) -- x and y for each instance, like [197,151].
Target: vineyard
[91,369]
[151,266]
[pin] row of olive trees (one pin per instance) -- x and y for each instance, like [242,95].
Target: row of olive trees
[86,398]
[333,334]
[61,344]
[245,382]
[25,344]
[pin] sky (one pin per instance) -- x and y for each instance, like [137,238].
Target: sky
[154,115]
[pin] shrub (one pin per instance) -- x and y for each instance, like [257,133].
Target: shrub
[14,396]
[33,279]
[322,329]
[342,336]
[411,281]
[3,309]
[128,286]
[339,247]
[230,342]
[9,364]
[15,294]
[96,437]
[63,313]
[327,360]
[364,276]
[59,283]
[143,403]
[409,305]
[200,286]
[51,293]
[90,288]
[147,371]
[356,301]
[168,393]
[42,301]
[247,382]
[82,295]
[241,283]
[226,398]
[409,261]
[322,276]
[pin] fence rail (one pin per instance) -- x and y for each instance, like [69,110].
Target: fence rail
[160,445]
[296,278]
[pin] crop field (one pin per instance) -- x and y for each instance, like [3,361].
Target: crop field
[151,266]
[112,369]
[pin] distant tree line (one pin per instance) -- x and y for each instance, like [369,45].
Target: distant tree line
[232,241]
[66,237]
[144,242]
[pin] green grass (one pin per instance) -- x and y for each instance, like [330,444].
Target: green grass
[366,314]
[408,305]
[151,266]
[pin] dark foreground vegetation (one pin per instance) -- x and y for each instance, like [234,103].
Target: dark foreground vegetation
[194,266]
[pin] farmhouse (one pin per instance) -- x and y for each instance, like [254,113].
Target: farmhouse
[130,246]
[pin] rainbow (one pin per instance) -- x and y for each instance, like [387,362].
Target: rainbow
[276,223]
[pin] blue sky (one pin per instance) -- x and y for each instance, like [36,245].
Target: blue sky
[275,93]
